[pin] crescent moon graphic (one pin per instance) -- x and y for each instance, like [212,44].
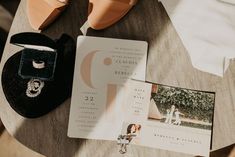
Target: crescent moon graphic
[86,68]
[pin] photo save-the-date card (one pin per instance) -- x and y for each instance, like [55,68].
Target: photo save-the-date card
[103,66]
[107,104]
[168,118]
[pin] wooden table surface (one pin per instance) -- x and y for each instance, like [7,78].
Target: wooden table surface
[168,63]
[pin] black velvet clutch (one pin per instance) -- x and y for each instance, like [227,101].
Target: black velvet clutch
[39,78]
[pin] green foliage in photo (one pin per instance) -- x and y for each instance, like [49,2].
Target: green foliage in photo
[195,105]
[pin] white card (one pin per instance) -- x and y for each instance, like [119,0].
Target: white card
[206,28]
[102,68]
[168,118]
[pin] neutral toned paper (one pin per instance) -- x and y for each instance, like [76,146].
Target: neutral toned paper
[103,66]
[207,30]
[155,132]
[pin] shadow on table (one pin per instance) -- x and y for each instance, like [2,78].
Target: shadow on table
[224,152]
[147,21]
[1,128]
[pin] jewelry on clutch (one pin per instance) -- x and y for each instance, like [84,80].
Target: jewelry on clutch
[34,88]
[38,64]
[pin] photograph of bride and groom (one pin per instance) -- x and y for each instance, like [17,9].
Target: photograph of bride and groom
[181,107]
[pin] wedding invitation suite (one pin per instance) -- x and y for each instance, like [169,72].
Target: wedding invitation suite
[111,101]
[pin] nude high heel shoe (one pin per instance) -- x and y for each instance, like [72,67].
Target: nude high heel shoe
[41,13]
[104,13]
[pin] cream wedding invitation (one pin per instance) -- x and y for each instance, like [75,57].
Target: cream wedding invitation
[102,68]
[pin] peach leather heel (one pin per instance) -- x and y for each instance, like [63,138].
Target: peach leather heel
[104,13]
[41,13]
